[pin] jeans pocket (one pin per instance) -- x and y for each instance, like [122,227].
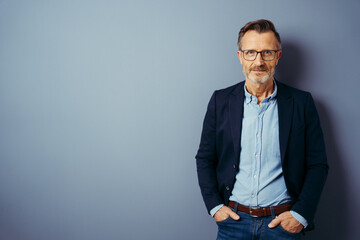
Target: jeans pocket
[225,220]
[287,232]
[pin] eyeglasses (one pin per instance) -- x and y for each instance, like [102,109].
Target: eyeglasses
[266,55]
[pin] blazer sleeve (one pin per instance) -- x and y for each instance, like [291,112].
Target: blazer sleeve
[206,158]
[316,167]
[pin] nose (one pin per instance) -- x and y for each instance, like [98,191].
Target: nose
[258,60]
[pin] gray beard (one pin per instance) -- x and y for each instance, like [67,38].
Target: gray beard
[264,79]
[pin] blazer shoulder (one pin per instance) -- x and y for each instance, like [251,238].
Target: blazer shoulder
[291,91]
[226,92]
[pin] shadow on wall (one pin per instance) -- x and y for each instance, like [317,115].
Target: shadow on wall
[291,66]
[332,216]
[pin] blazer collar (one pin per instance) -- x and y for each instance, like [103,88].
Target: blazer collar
[236,107]
[285,112]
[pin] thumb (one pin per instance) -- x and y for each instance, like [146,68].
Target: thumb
[234,215]
[274,222]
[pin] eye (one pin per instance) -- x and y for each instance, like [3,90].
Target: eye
[250,52]
[267,52]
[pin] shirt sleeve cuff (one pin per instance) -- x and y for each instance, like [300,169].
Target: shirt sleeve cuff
[215,209]
[298,217]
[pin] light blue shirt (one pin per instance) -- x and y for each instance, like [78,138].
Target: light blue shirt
[260,180]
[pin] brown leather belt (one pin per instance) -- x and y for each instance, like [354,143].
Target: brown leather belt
[261,211]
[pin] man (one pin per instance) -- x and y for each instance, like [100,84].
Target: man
[261,162]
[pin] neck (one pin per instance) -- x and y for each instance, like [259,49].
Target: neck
[260,90]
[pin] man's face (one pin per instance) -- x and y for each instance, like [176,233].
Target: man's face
[259,71]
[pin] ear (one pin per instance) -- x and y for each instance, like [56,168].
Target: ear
[239,56]
[279,53]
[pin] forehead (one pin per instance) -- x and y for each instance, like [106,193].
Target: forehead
[259,41]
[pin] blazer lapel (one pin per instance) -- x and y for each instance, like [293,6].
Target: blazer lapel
[285,110]
[236,106]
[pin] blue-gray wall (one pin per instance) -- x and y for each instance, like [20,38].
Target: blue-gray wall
[102,102]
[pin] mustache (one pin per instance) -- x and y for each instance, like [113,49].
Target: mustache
[261,68]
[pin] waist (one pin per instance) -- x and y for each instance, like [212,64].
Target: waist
[261,211]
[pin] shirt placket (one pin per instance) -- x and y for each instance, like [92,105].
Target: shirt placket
[258,153]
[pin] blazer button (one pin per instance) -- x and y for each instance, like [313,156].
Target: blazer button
[234,165]
[227,188]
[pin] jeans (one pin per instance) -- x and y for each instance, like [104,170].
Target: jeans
[252,228]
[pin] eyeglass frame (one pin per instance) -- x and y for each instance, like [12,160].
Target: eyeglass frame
[261,52]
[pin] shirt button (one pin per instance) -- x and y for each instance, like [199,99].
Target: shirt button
[252,196]
[258,135]
[254,176]
[257,155]
[227,188]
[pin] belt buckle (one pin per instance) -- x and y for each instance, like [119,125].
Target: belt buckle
[250,211]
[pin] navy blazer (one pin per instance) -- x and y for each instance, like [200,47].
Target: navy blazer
[302,147]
